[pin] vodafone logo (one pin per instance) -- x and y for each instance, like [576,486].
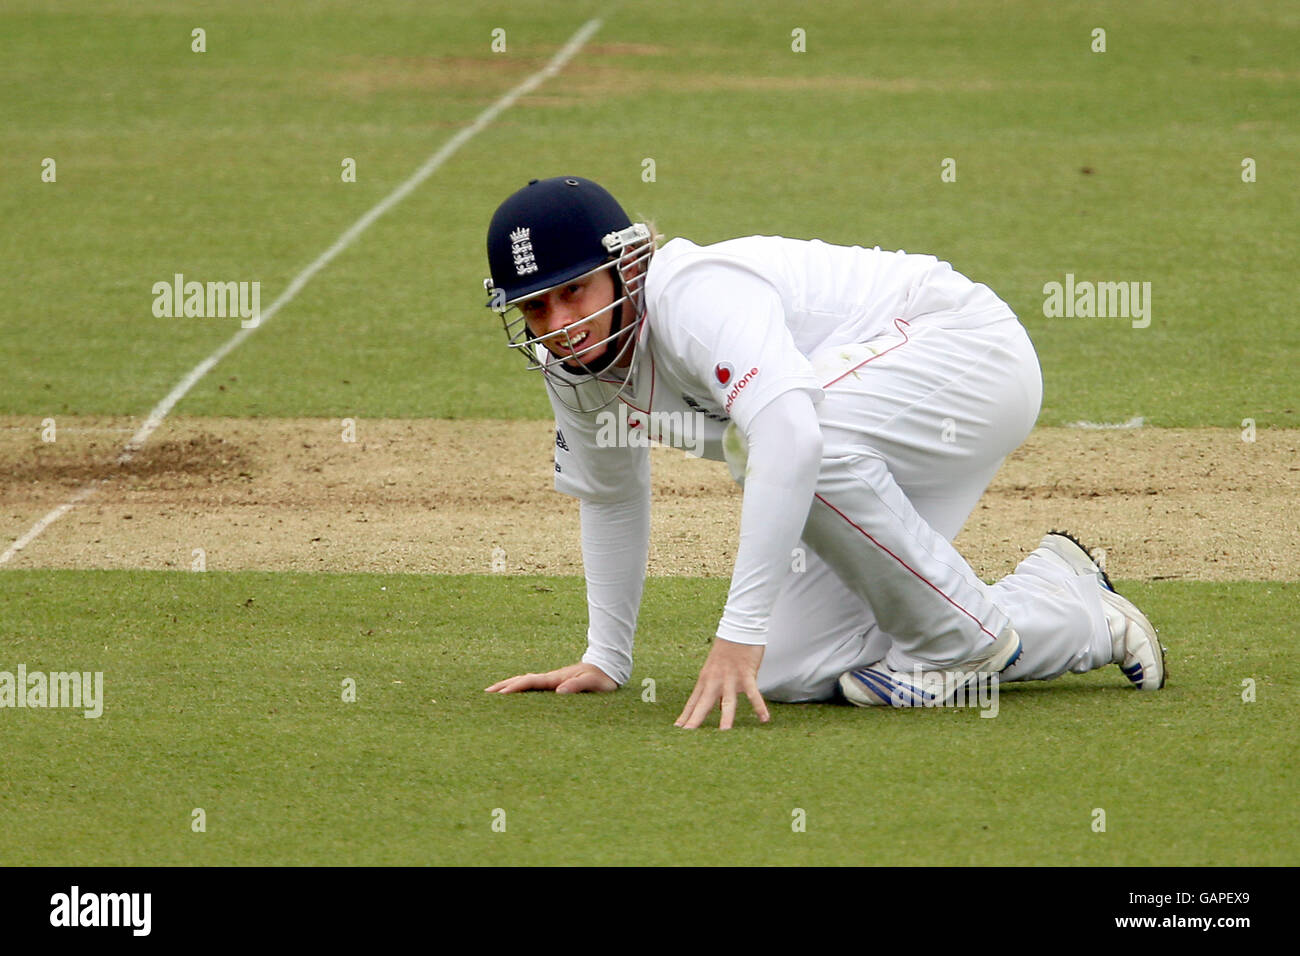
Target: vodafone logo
[723,372]
[739,387]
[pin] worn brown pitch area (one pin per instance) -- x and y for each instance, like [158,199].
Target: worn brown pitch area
[442,496]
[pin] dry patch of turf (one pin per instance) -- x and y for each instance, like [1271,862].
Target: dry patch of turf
[364,77]
[600,80]
[455,496]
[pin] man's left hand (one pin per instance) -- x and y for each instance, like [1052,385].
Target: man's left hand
[730,669]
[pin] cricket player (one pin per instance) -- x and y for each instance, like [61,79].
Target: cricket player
[863,399]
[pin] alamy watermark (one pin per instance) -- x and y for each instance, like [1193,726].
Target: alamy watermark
[210,300]
[75,908]
[973,690]
[1101,300]
[684,430]
[82,690]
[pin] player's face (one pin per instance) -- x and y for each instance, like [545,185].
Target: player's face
[567,306]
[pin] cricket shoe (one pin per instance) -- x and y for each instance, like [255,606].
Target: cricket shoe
[880,684]
[1135,644]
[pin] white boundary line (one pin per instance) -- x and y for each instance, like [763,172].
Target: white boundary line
[1137,421]
[429,167]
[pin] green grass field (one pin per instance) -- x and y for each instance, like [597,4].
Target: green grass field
[223,690]
[227,164]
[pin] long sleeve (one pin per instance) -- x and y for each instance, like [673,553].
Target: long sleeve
[785,445]
[615,546]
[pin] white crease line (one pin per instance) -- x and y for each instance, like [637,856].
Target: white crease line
[430,166]
[1135,422]
[34,532]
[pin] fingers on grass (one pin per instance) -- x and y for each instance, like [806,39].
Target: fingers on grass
[517,683]
[690,706]
[702,704]
[728,710]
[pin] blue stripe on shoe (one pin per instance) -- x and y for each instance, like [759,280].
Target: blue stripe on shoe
[890,691]
[875,684]
[1133,672]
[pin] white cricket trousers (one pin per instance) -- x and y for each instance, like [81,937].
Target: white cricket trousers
[914,427]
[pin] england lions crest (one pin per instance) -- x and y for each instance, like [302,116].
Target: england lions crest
[521,246]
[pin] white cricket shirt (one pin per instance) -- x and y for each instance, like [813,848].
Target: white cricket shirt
[730,328]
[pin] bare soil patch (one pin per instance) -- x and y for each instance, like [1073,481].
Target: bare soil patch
[468,496]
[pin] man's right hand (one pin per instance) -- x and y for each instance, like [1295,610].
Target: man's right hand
[574,679]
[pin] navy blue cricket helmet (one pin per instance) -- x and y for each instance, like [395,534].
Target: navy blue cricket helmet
[554,231]
[549,232]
